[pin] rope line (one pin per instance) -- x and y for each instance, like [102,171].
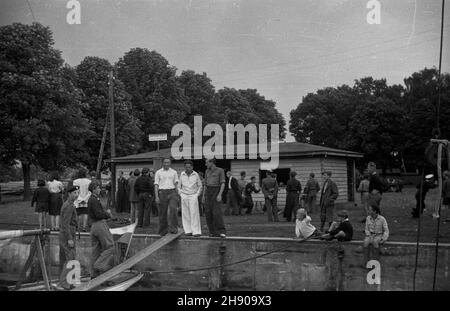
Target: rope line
[223,265]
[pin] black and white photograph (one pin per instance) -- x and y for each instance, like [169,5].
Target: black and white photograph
[227,151]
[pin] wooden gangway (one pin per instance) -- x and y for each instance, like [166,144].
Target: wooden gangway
[129,263]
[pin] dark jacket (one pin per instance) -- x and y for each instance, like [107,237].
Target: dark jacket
[235,188]
[376,183]
[95,209]
[41,196]
[68,226]
[330,194]
[143,184]
[347,228]
[312,187]
[293,185]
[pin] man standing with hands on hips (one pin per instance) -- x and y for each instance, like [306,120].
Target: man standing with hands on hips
[166,182]
[189,190]
[212,198]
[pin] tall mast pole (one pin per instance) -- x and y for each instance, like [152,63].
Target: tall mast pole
[113,138]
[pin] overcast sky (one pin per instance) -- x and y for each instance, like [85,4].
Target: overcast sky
[283,48]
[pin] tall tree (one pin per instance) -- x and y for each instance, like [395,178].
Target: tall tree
[40,115]
[92,79]
[323,118]
[375,130]
[265,110]
[199,96]
[156,97]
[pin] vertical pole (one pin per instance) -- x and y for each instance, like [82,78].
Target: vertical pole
[113,138]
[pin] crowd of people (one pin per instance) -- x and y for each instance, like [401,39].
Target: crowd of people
[166,194]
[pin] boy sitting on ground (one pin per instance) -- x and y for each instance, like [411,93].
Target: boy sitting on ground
[342,230]
[303,227]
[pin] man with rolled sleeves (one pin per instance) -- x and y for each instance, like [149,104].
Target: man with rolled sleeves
[212,198]
[166,184]
[101,238]
[67,231]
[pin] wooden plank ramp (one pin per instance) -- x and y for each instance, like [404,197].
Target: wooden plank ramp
[129,263]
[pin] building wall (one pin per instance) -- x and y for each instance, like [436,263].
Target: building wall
[303,167]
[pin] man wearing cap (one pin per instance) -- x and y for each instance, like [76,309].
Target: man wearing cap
[101,238]
[328,195]
[269,187]
[166,183]
[212,198]
[342,230]
[68,228]
[132,195]
[144,187]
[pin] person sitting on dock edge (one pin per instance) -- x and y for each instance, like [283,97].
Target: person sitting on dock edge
[341,230]
[377,232]
[303,227]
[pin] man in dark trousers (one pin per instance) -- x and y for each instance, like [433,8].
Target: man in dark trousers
[144,189]
[166,195]
[293,190]
[270,190]
[101,238]
[67,234]
[328,195]
[376,185]
[212,198]
[234,195]
[311,189]
[132,195]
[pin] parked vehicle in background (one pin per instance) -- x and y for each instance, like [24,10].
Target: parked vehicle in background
[394,184]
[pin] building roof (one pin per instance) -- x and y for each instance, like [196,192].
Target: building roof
[291,149]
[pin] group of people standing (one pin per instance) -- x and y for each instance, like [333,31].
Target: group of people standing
[328,195]
[48,199]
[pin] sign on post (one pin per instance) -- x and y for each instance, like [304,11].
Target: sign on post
[157,137]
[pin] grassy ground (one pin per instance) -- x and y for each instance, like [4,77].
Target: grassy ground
[396,207]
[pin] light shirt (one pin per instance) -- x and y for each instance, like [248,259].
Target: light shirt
[85,194]
[55,186]
[190,184]
[303,228]
[166,179]
[377,226]
[229,182]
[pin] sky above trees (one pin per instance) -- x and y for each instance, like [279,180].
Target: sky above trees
[284,49]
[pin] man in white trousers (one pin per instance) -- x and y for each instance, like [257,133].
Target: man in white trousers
[189,189]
